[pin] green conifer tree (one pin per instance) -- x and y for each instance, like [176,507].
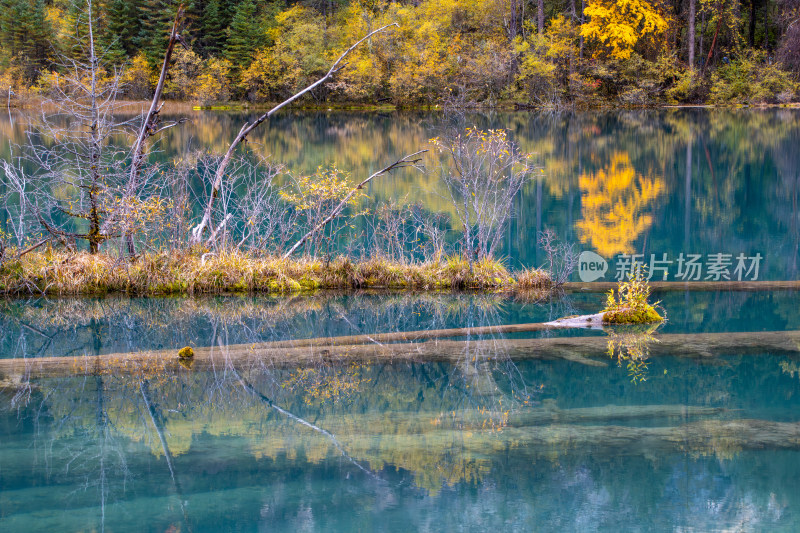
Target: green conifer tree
[213,30]
[122,24]
[244,36]
[26,36]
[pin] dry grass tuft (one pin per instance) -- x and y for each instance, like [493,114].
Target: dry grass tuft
[534,279]
[71,273]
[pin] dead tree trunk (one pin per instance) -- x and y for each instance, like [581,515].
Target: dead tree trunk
[150,124]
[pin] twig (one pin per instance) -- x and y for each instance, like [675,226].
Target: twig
[35,246]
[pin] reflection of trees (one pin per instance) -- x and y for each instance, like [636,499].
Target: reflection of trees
[631,345]
[319,408]
[71,327]
[740,192]
[615,205]
[471,423]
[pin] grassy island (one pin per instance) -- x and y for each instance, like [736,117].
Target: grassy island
[630,303]
[58,272]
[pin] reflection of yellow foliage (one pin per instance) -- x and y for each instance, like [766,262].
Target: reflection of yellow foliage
[789,367]
[720,439]
[319,386]
[613,203]
[632,345]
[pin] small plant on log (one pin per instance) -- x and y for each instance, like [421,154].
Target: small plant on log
[629,305]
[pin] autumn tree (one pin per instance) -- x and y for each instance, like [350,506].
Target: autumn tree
[617,25]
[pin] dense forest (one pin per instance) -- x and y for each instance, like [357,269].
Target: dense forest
[450,52]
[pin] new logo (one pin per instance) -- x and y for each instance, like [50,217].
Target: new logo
[591,266]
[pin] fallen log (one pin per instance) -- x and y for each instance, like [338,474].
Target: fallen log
[410,336]
[723,438]
[535,416]
[575,349]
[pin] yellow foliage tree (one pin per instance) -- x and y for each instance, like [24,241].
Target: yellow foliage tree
[212,84]
[613,203]
[439,45]
[617,25]
[316,196]
[138,79]
[548,62]
[298,57]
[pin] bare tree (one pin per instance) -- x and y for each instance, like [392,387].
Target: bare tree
[70,148]
[483,172]
[79,189]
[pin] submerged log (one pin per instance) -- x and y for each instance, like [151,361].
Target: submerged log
[410,336]
[535,416]
[576,349]
[721,438]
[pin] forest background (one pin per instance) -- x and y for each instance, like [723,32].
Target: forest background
[460,53]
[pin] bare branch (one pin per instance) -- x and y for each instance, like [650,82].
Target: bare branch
[150,121]
[408,161]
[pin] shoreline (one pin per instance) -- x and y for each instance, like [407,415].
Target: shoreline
[180,106]
[182,273]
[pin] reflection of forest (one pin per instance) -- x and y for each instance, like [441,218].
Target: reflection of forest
[263,436]
[675,180]
[78,326]
[484,422]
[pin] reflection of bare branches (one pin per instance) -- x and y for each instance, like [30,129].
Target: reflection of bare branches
[144,388]
[307,424]
[62,327]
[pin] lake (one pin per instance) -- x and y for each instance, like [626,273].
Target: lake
[481,436]
[693,427]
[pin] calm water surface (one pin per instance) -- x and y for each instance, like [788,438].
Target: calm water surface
[698,438]
[707,441]
[692,181]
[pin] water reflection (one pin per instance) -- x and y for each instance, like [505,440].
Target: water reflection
[659,181]
[615,204]
[630,345]
[548,443]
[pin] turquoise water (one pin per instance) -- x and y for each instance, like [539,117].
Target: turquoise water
[477,441]
[695,427]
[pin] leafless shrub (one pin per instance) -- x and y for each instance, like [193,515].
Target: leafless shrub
[561,257]
[250,213]
[433,227]
[483,172]
[391,236]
